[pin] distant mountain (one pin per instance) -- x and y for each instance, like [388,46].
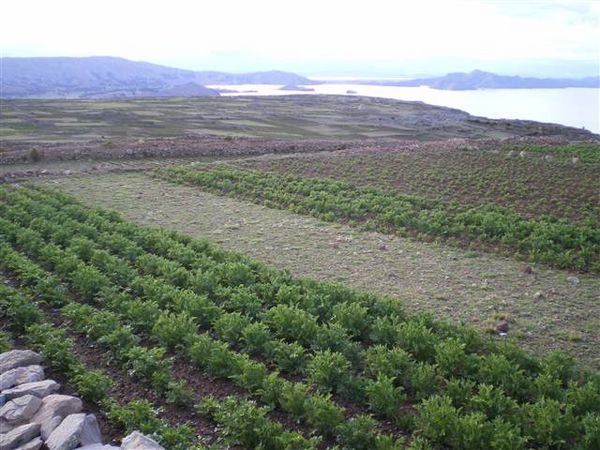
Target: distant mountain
[479,79]
[105,77]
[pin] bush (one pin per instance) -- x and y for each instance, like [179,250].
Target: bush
[256,339]
[452,360]
[178,394]
[150,365]
[293,399]
[328,369]
[230,325]
[173,331]
[352,316]
[591,436]
[548,425]
[289,357]
[383,397]
[271,389]
[323,414]
[93,385]
[390,362]
[359,433]
[252,375]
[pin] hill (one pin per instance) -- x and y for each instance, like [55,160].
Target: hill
[478,79]
[103,77]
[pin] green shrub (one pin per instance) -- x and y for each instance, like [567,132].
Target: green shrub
[506,436]
[390,362]
[93,385]
[460,391]
[328,369]
[289,357]
[494,403]
[291,323]
[256,339]
[438,419]
[548,424]
[591,435]
[150,365]
[423,380]
[359,433]
[5,344]
[323,414]
[271,389]
[352,316]
[178,394]
[174,330]
[224,363]
[383,397]
[293,399]
[230,325]
[143,314]
[452,360]
[252,375]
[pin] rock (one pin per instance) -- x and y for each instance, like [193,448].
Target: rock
[76,429]
[522,154]
[538,295]
[90,434]
[18,358]
[32,445]
[21,409]
[54,409]
[137,441]
[574,160]
[99,447]
[19,436]
[573,279]
[21,375]
[2,400]
[502,326]
[37,388]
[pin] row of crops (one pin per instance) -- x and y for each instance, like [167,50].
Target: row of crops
[314,365]
[557,242]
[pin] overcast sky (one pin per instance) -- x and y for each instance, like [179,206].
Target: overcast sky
[312,36]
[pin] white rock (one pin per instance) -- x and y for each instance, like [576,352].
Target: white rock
[75,430]
[66,435]
[90,434]
[19,436]
[38,388]
[54,409]
[21,375]
[573,280]
[20,409]
[99,447]
[18,358]
[137,441]
[32,445]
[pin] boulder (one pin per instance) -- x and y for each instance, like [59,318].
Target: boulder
[54,409]
[99,447]
[2,400]
[21,409]
[36,444]
[38,388]
[137,441]
[75,430]
[19,436]
[18,358]
[21,375]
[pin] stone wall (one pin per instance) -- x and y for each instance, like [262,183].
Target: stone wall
[34,415]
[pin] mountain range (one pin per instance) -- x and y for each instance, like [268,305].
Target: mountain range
[478,79]
[110,77]
[104,77]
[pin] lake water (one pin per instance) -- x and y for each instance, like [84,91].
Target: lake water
[576,107]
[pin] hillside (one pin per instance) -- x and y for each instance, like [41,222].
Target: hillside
[478,79]
[103,77]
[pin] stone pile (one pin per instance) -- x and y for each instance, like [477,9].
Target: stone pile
[34,415]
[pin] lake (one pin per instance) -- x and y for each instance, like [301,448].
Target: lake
[576,107]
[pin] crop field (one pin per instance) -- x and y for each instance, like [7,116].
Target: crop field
[492,225]
[238,353]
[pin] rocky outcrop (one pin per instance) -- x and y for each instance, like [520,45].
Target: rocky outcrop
[34,416]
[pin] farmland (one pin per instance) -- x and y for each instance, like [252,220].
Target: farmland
[312,274]
[326,364]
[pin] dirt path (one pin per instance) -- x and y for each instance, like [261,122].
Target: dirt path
[545,309]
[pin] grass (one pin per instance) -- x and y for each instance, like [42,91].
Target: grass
[449,282]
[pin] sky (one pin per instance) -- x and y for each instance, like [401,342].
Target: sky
[326,37]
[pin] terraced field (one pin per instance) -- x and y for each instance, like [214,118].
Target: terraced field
[309,364]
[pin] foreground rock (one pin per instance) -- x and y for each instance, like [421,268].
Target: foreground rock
[21,375]
[19,436]
[74,431]
[137,441]
[33,416]
[38,388]
[18,358]
[54,409]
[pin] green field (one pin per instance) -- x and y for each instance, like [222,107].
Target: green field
[306,272]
